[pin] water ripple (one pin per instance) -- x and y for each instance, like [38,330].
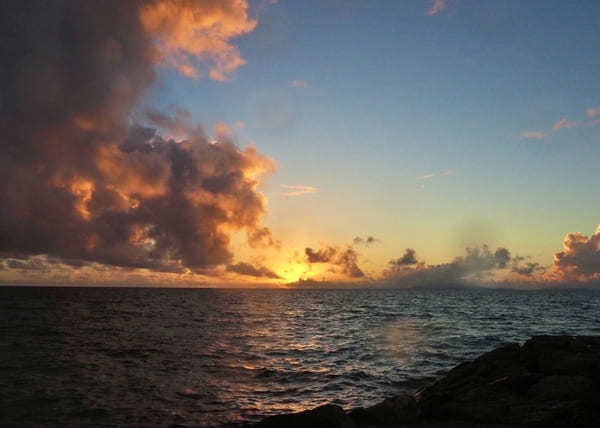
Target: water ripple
[108,357]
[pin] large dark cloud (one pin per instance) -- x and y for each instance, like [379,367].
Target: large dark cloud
[79,181]
[346,258]
[475,266]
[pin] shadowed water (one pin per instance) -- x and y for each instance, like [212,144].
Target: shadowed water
[108,357]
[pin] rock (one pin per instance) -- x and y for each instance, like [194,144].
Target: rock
[560,387]
[402,409]
[550,381]
[328,416]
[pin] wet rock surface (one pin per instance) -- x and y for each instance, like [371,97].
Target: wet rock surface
[550,381]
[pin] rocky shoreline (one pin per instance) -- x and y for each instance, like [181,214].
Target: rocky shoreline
[550,381]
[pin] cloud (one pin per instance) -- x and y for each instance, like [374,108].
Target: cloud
[437,7]
[298,190]
[580,257]
[299,84]
[175,125]
[188,33]
[222,131]
[476,266]
[538,135]
[29,264]
[408,258]
[432,175]
[261,237]
[365,241]
[592,111]
[345,258]
[247,269]
[563,124]
[527,269]
[82,183]
[556,127]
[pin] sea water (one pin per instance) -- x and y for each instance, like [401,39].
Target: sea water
[208,357]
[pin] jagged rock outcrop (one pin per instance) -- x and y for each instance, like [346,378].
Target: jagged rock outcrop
[550,381]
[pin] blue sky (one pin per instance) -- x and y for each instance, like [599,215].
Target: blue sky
[456,139]
[388,94]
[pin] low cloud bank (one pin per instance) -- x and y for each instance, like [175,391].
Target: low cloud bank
[476,266]
[248,269]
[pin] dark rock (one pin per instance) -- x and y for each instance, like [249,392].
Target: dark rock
[561,387]
[550,381]
[402,409]
[328,416]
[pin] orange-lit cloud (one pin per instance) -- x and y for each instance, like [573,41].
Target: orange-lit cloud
[298,190]
[221,130]
[192,32]
[592,111]
[261,237]
[580,257]
[436,7]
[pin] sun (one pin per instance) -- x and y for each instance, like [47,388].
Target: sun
[293,272]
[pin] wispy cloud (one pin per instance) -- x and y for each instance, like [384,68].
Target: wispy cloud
[365,241]
[437,7]
[563,124]
[558,126]
[298,190]
[537,135]
[433,175]
[299,84]
[592,111]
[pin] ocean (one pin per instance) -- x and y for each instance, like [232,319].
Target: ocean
[208,357]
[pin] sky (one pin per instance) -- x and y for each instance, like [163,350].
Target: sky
[314,143]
